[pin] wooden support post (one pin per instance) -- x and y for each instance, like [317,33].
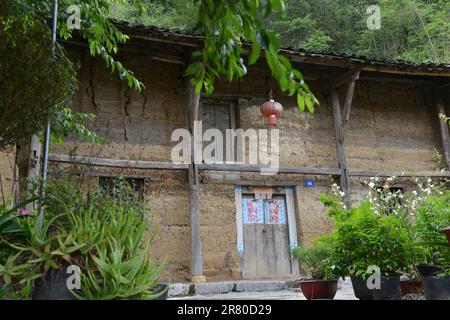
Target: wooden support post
[27,169]
[339,144]
[440,106]
[348,104]
[193,114]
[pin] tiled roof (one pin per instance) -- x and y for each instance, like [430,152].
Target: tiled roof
[329,55]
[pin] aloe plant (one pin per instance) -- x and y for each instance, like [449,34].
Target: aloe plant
[106,235]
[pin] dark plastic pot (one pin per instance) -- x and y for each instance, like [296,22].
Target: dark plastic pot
[54,287]
[162,290]
[436,288]
[360,289]
[410,287]
[318,289]
[390,289]
[427,270]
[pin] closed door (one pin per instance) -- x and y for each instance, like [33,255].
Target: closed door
[266,237]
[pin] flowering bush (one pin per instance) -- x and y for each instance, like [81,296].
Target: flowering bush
[386,199]
[391,229]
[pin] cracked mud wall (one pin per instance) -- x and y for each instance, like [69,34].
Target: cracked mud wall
[390,129]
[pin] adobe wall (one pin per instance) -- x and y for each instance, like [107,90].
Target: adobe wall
[390,129]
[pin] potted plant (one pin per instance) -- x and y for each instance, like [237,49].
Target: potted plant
[103,234]
[368,242]
[432,219]
[321,282]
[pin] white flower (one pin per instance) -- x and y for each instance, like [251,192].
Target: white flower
[371,185]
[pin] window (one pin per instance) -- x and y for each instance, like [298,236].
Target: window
[219,115]
[108,183]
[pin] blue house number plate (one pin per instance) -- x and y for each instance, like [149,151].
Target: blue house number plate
[310,183]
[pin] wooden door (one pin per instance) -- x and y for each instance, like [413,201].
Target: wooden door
[266,237]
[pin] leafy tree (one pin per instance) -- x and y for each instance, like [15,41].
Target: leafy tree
[226,24]
[35,82]
[416,30]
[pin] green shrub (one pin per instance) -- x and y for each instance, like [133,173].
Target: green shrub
[432,216]
[316,261]
[363,238]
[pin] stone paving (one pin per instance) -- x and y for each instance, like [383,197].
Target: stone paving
[345,292]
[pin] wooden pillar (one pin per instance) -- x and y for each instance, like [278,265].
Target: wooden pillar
[27,164]
[440,107]
[344,181]
[193,114]
[341,124]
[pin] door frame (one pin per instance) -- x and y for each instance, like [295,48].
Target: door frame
[288,192]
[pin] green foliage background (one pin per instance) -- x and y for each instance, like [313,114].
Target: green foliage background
[415,30]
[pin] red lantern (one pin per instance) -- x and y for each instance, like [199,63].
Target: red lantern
[271,109]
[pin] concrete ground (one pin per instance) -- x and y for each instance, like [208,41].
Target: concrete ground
[345,292]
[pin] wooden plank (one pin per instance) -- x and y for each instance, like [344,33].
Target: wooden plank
[348,104]
[250,255]
[366,65]
[117,163]
[440,107]
[339,145]
[257,168]
[270,250]
[134,164]
[431,174]
[280,234]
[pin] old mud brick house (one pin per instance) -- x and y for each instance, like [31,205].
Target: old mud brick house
[377,117]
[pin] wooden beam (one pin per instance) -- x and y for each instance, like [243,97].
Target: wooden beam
[380,67]
[348,104]
[344,78]
[193,109]
[344,182]
[440,107]
[138,164]
[133,164]
[421,174]
[258,168]
[116,163]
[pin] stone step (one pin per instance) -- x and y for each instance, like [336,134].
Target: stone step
[184,289]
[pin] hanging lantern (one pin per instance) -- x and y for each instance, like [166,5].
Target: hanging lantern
[271,109]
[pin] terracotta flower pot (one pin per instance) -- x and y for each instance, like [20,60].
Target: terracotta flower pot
[410,286]
[446,230]
[319,289]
